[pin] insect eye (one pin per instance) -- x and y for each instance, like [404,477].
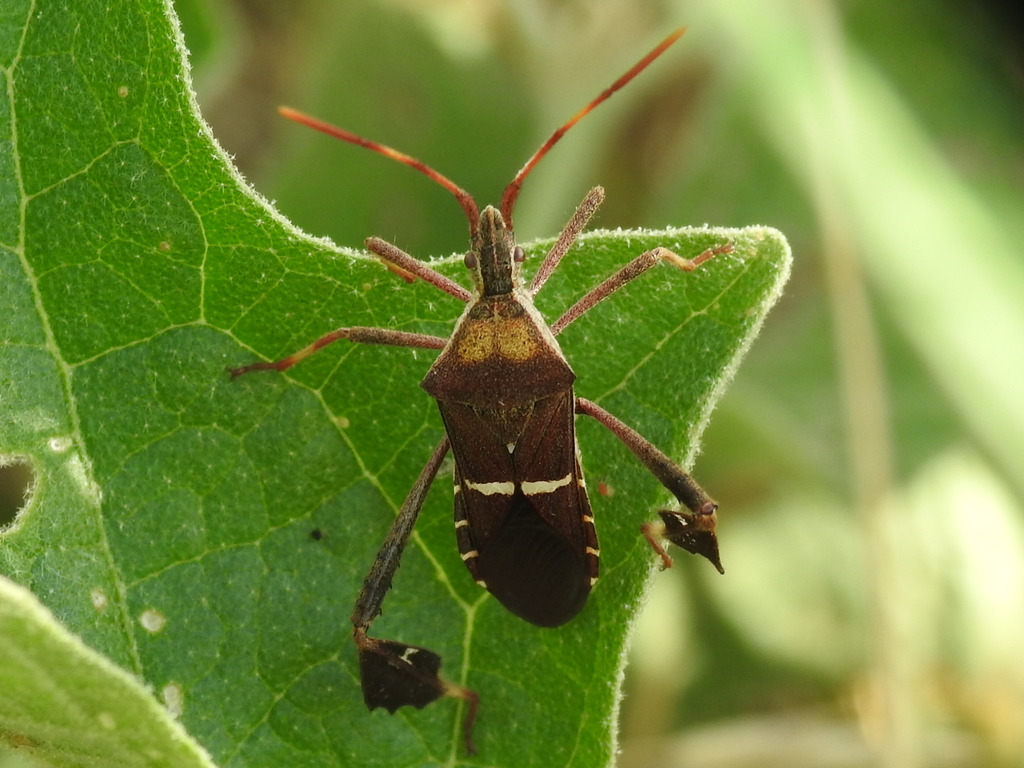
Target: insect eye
[471,261]
[518,256]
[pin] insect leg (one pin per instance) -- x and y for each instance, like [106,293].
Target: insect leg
[570,232]
[393,256]
[631,271]
[378,580]
[355,334]
[392,673]
[694,530]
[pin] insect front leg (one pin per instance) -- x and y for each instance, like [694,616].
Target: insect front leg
[392,673]
[693,530]
[404,264]
[408,267]
[576,224]
[631,271]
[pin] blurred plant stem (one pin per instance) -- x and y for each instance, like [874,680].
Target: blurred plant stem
[888,709]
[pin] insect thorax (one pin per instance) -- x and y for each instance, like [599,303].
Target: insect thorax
[501,354]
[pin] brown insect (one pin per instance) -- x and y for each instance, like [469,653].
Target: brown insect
[523,520]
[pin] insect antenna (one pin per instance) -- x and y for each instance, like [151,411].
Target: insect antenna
[508,199]
[465,199]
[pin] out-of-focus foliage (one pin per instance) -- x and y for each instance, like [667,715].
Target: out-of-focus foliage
[868,458]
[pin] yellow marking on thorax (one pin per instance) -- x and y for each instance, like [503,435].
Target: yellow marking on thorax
[513,339]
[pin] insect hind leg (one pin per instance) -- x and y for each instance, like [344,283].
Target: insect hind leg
[394,674]
[693,529]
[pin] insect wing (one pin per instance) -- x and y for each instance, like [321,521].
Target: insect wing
[522,516]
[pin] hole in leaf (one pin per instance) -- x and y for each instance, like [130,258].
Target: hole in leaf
[17,480]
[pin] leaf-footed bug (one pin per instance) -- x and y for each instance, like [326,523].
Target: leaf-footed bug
[523,520]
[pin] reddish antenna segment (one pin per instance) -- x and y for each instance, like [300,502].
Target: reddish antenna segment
[465,199]
[508,199]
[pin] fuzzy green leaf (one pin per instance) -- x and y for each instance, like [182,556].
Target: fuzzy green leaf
[170,523]
[64,704]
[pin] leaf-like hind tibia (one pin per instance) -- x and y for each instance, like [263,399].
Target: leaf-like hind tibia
[395,674]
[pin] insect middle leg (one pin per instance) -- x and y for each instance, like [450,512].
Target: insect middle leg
[355,334]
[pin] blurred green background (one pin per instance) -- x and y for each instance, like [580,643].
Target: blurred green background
[869,457]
